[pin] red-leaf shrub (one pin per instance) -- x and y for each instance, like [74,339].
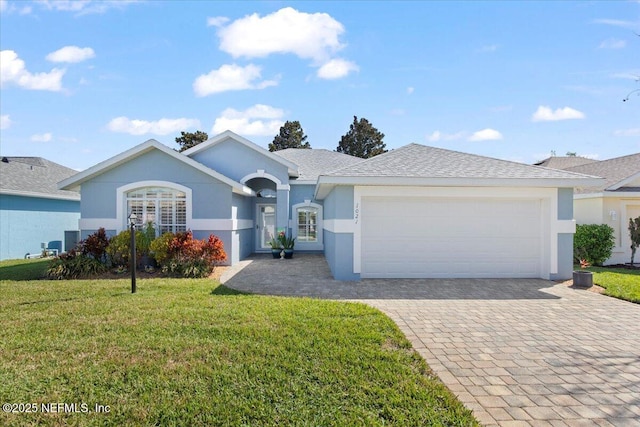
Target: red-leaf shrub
[95,244]
[185,256]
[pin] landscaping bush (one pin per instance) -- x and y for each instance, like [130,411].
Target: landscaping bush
[593,243]
[182,255]
[87,259]
[159,248]
[95,245]
[119,248]
[74,265]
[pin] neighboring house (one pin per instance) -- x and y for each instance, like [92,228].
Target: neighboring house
[33,210]
[415,211]
[564,162]
[613,201]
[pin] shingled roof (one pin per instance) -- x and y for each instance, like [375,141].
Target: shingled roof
[420,161]
[564,162]
[34,177]
[314,162]
[617,172]
[416,164]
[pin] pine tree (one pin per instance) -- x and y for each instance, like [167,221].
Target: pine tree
[363,140]
[291,136]
[188,139]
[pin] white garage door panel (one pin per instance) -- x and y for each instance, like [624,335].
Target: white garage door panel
[429,237]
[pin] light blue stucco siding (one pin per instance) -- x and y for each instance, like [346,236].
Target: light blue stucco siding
[301,192]
[242,163]
[211,199]
[244,235]
[338,246]
[236,161]
[565,240]
[27,222]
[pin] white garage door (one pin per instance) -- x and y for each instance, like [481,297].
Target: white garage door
[430,237]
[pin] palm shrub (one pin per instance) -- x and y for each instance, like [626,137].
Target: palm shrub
[593,243]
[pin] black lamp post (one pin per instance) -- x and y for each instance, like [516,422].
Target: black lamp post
[132,260]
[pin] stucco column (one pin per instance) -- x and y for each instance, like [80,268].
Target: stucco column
[282,209]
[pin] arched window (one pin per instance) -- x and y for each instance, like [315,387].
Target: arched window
[166,208]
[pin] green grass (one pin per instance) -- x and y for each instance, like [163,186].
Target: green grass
[190,352]
[618,282]
[23,269]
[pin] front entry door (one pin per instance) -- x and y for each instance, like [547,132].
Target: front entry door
[266,228]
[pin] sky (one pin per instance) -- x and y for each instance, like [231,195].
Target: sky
[82,81]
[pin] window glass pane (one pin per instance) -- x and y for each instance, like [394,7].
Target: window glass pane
[307,221]
[164,207]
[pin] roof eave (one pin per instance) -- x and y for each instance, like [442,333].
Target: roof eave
[326,183]
[624,182]
[40,195]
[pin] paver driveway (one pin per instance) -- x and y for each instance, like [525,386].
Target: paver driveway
[516,352]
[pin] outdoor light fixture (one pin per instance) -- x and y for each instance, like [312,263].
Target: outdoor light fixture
[132,261]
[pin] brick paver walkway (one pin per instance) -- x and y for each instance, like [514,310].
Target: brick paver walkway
[516,352]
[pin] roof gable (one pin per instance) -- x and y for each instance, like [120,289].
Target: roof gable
[226,135]
[617,172]
[147,146]
[34,177]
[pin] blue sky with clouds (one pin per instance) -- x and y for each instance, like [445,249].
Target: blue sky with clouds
[85,80]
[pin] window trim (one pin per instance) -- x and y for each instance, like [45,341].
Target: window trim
[121,208]
[317,245]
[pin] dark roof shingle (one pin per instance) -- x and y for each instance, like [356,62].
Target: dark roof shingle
[34,176]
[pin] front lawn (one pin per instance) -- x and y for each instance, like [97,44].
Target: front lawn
[23,269]
[190,352]
[618,282]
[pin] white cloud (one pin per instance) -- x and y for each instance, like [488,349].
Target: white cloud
[217,21]
[631,75]
[313,36]
[42,137]
[488,48]
[627,132]
[336,69]
[85,7]
[410,90]
[259,120]
[230,77]
[13,70]
[439,136]
[5,7]
[5,121]
[612,44]
[158,127]
[545,114]
[71,54]
[486,135]
[618,23]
